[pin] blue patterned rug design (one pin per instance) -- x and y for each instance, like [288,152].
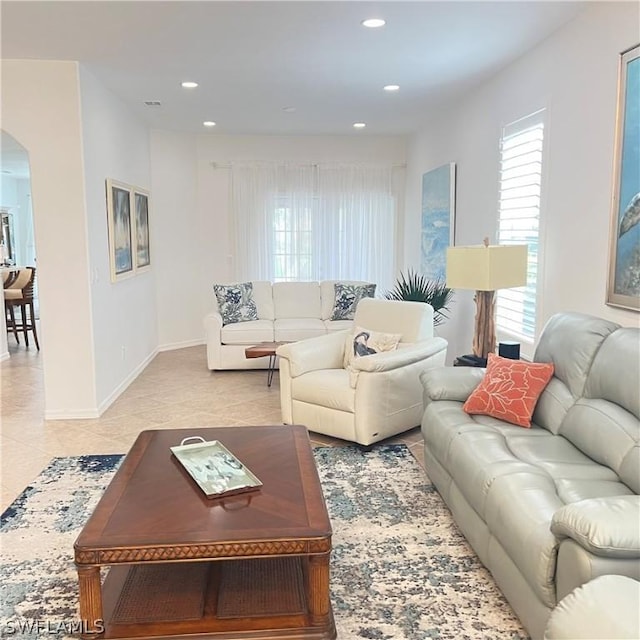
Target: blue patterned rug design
[400,568]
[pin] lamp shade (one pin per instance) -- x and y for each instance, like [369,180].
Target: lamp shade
[487,268]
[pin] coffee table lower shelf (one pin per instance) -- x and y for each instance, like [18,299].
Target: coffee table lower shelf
[260,598]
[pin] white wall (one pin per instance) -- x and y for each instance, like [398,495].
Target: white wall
[177,239]
[193,217]
[574,75]
[124,317]
[77,134]
[41,110]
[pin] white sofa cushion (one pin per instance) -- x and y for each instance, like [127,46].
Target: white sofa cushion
[337,325]
[296,299]
[263,297]
[294,329]
[248,333]
[415,323]
[326,387]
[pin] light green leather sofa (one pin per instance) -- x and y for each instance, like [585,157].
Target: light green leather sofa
[547,509]
[606,608]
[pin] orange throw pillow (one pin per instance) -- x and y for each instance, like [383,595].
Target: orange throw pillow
[510,389]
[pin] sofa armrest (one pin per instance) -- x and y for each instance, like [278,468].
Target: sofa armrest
[212,327]
[606,607]
[450,383]
[312,354]
[212,323]
[388,360]
[606,527]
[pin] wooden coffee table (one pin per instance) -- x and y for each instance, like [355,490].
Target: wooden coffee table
[262,350]
[254,565]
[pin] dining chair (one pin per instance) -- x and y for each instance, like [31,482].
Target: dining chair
[20,294]
[8,276]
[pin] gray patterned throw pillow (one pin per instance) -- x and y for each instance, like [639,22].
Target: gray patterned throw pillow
[235,302]
[347,298]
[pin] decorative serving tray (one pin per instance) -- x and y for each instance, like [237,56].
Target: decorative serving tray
[214,468]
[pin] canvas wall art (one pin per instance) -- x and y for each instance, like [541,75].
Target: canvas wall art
[128,228]
[120,226]
[143,251]
[438,219]
[624,256]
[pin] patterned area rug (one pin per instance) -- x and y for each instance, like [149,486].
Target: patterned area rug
[400,568]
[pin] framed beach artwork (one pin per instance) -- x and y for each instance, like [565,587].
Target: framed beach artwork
[120,223]
[141,207]
[128,222]
[623,288]
[438,220]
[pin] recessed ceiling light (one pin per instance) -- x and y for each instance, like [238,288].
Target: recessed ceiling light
[189,85]
[373,23]
[289,109]
[391,87]
[209,123]
[359,125]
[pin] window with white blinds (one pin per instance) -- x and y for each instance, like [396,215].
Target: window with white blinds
[521,155]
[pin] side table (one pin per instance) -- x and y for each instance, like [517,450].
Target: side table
[470,361]
[265,349]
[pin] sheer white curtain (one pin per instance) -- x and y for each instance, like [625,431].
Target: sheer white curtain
[314,222]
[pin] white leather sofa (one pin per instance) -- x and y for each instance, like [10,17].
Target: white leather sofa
[378,395]
[287,311]
[550,508]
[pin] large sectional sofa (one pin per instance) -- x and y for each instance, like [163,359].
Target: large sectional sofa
[551,507]
[287,312]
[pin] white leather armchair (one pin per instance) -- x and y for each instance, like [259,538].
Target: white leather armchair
[384,397]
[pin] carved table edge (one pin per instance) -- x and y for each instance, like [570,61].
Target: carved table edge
[126,555]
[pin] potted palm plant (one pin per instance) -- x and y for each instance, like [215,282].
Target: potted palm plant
[418,288]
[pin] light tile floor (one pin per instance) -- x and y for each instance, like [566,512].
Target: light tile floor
[176,390]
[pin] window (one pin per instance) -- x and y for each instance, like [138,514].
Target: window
[314,222]
[521,155]
[292,238]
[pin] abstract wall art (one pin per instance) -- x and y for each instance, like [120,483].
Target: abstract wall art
[624,252]
[438,219]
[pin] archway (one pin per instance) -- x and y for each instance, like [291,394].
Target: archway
[17,230]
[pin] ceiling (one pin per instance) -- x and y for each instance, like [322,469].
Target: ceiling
[253,59]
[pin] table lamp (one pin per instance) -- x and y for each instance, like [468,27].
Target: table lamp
[486,268]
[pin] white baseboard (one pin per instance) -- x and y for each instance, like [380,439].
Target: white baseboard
[4,356]
[87,414]
[180,345]
[117,392]
[79,414]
